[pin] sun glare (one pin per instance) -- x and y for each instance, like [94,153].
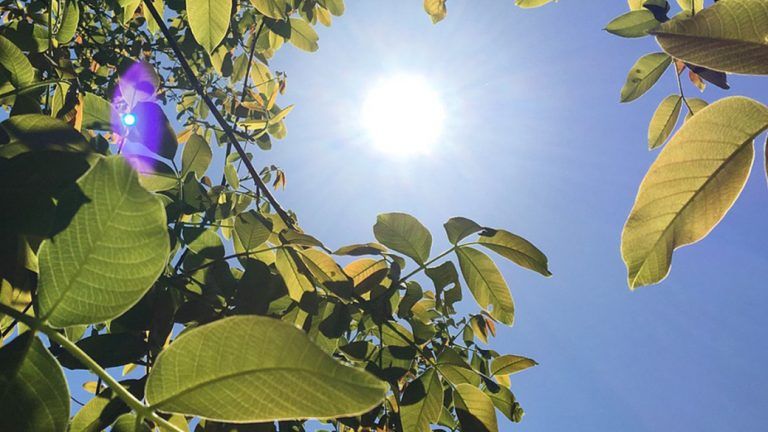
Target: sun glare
[403,115]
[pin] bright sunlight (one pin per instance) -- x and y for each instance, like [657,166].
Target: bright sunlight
[403,115]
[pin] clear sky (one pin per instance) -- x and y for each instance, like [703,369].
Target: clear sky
[538,143]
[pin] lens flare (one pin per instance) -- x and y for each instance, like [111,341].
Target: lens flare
[129,119]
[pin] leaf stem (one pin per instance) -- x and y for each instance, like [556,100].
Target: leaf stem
[427,264]
[53,334]
[29,88]
[682,94]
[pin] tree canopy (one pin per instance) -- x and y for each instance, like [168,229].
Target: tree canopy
[120,250]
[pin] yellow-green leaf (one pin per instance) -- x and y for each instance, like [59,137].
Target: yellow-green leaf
[111,253]
[644,74]
[16,63]
[730,36]
[486,284]
[422,402]
[271,371]
[271,8]
[516,249]
[436,10]
[33,391]
[527,4]
[691,186]
[510,364]
[296,281]
[303,36]
[405,234]
[664,121]
[475,409]
[209,21]
[196,156]
[634,24]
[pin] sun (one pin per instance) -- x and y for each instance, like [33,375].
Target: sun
[403,115]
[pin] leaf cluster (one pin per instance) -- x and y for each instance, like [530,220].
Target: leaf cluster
[119,250]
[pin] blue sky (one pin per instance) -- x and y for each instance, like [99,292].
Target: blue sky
[538,143]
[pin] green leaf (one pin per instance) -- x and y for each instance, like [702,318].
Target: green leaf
[209,21]
[69,22]
[127,423]
[422,402]
[664,121]
[729,36]
[111,253]
[271,8]
[691,5]
[196,156]
[510,364]
[474,409]
[644,74]
[633,24]
[252,229]
[296,281]
[696,105]
[504,401]
[303,36]
[152,25]
[97,112]
[271,371]
[528,4]
[281,115]
[98,413]
[516,249]
[486,284]
[405,234]
[436,10]
[691,186]
[33,391]
[336,7]
[459,228]
[34,132]
[16,63]
[154,175]
[453,368]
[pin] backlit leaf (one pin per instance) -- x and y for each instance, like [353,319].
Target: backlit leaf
[474,409]
[405,234]
[209,21]
[271,371]
[271,8]
[436,9]
[729,36]
[196,156]
[459,228]
[510,364]
[303,36]
[633,24]
[516,249]
[16,63]
[691,186]
[664,121]
[33,391]
[111,253]
[422,402]
[486,284]
[644,74]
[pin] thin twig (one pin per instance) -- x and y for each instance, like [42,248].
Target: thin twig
[228,130]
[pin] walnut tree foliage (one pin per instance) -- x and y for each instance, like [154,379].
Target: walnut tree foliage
[229,314]
[119,249]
